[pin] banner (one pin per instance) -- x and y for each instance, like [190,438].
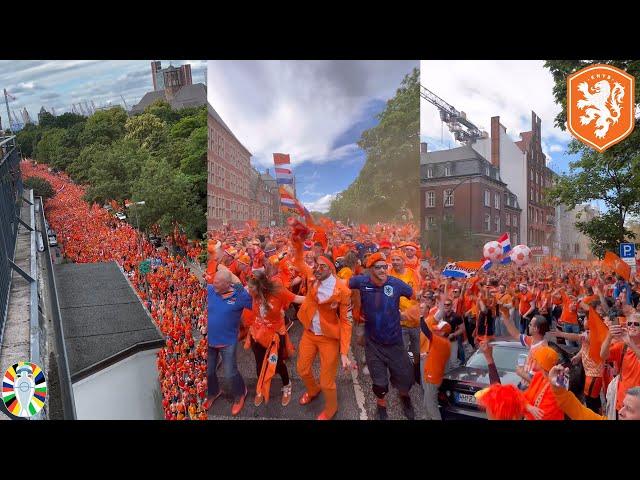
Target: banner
[461,269]
[284,179]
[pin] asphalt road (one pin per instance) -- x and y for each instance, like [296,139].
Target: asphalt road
[356,400]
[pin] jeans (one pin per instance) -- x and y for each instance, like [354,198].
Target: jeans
[232,376]
[453,358]
[411,339]
[571,328]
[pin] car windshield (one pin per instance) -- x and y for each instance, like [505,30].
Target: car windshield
[506,358]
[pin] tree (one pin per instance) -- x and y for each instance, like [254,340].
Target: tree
[163,111]
[146,130]
[389,179]
[104,126]
[50,149]
[28,138]
[612,177]
[40,187]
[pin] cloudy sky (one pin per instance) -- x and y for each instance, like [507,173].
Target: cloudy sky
[483,89]
[313,110]
[59,83]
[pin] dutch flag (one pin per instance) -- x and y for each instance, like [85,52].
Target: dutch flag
[506,248]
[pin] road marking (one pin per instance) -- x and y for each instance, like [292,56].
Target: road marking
[357,389]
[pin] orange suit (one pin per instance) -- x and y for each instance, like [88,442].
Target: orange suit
[335,323]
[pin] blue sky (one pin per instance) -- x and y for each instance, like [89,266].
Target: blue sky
[313,110]
[510,89]
[59,83]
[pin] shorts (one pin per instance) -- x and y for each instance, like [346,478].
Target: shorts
[383,360]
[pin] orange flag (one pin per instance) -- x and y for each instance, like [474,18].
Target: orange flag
[597,333]
[427,254]
[268,368]
[614,262]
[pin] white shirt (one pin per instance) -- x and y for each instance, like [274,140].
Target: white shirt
[325,290]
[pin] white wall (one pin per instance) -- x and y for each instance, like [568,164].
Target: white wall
[513,172]
[127,390]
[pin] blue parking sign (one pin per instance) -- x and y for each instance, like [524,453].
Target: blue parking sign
[627,250]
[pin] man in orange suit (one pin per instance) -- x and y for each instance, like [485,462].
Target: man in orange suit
[325,316]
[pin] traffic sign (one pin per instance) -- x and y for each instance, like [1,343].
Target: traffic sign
[144,267]
[627,250]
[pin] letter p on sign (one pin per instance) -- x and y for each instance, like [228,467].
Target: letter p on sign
[627,250]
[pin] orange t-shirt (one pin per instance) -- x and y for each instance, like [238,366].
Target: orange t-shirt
[439,349]
[539,394]
[630,370]
[525,302]
[568,316]
[274,317]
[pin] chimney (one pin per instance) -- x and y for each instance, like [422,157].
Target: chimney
[423,147]
[495,142]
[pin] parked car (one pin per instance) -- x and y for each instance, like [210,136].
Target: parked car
[120,216]
[456,395]
[53,240]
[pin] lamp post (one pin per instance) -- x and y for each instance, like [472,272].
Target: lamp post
[442,221]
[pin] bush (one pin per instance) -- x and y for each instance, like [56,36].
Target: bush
[40,187]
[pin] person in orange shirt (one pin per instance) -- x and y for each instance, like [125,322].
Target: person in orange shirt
[435,349]
[325,316]
[568,321]
[571,406]
[625,353]
[526,306]
[270,300]
[538,394]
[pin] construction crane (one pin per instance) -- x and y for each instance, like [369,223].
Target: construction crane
[125,103]
[93,107]
[463,130]
[25,116]
[86,105]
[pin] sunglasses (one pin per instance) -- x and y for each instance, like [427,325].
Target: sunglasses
[633,324]
[447,304]
[381,267]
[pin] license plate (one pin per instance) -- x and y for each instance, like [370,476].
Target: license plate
[465,398]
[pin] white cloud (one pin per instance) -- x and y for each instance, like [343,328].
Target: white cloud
[322,204]
[556,148]
[299,107]
[510,89]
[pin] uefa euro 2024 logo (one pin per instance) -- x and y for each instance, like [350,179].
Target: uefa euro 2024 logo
[24,389]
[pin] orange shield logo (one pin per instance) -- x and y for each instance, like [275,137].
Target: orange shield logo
[600,105]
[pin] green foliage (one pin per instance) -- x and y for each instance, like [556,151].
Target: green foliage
[389,179]
[454,242]
[40,187]
[158,156]
[612,177]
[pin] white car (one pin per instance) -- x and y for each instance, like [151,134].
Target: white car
[120,216]
[53,241]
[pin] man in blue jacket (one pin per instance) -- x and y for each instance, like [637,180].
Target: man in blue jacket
[384,348]
[226,301]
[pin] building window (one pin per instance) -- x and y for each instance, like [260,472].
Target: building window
[497,201]
[487,171]
[515,220]
[431,221]
[487,198]
[429,172]
[487,222]
[507,220]
[577,248]
[497,222]
[448,198]
[447,170]
[532,196]
[515,238]
[431,199]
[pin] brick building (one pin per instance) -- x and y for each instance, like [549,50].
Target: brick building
[229,174]
[462,187]
[522,167]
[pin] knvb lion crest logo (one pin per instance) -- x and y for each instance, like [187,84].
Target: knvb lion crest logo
[600,105]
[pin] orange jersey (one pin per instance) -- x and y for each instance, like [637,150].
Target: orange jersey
[539,394]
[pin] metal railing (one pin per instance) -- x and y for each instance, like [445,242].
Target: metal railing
[10,202]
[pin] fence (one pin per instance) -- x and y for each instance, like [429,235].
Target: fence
[10,202]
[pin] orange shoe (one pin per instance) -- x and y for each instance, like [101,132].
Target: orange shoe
[323,416]
[209,402]
[306,399]
[237,407]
